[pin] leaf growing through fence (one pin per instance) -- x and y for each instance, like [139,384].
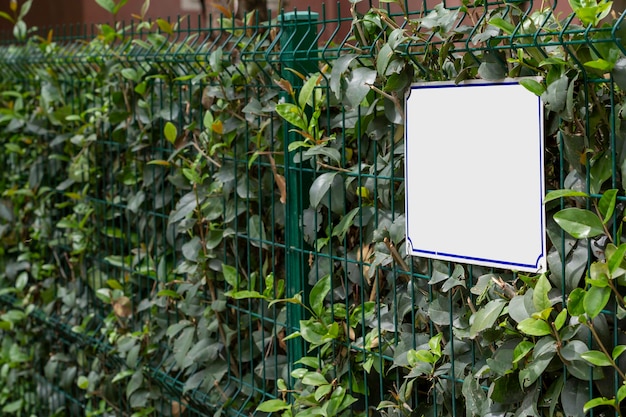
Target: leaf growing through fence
[486,316]
[318,293]
[579,223]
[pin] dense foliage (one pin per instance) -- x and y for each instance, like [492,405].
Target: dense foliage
[159,184]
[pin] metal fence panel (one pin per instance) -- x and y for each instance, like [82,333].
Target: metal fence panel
[177,199]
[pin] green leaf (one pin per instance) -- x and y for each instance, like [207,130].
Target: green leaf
[230,275]
[130,74]
[122,375]
[600,64]
[535,368]
[595,300]
[597,402]
[601,170]
[491,67]
[506,26]
[119,5]
[182,345]
[310,361]
[272,406]
[579,223]
[617,351]
[318,293]
[538,89]
[307,91]
[6,16]
[556,194]
[540,293]
[314,378]
[107,5]
[621,393]
[560,319]
[165,26]
[346,221]
[291,113]
[242,295]
[169,293]
[82,382]
[320,187]
[555,96]
[358,86]
[534,327]
[322,391]
[596,357]
[606,205]
[521,350]
[26,8]
[170,132]
[575,300]
[135,383]
[207,121]
[616,259]
[486,316]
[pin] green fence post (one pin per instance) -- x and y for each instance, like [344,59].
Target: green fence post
[297,41]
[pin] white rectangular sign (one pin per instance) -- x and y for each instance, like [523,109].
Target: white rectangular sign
[474,170]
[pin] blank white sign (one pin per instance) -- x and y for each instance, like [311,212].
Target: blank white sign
[475,174]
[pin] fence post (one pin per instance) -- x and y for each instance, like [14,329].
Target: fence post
[297,42]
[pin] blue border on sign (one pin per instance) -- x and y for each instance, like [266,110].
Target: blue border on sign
[461,258]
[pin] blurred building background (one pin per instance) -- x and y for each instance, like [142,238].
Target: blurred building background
[51,13]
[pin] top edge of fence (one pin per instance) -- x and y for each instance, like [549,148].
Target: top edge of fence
[177,41]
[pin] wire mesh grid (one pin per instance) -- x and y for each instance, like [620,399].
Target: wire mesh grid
[123,232]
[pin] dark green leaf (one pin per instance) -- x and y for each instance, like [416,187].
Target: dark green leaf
[358,85]
[555,96]
[346,221]
[182,345]
[320,187]
[491,67]
[134,383]
[486,316]
[573,397]
[194,380]
[535,369]
[476,403]
[606,205]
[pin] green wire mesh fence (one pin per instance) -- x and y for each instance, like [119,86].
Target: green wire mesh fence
[192,226]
